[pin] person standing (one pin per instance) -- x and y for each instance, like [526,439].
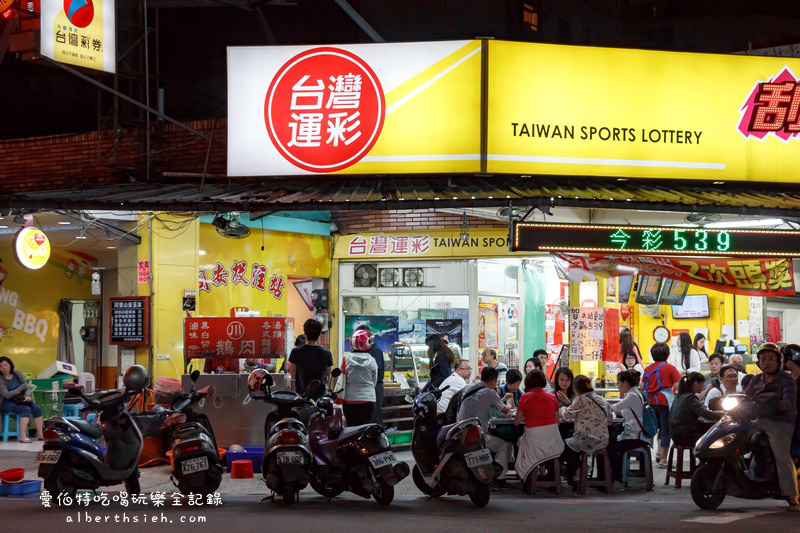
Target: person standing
[628,347]
[441,360]
[699,346]
[686,360]
[376,354]
[310,361]
[360,375]
[658,381]
[791,360]
[454,383]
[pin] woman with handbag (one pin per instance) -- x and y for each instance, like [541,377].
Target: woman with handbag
[15,397]
[631,407]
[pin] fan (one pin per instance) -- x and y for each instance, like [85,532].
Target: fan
[389,277]
[365,276]
[652,310]
[413,277]
[230,227]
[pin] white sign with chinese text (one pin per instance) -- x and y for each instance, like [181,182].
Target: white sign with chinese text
[586,333]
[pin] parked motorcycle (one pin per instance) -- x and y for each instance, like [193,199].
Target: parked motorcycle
[287,461]
[723,467]
[358,458]
[450,459]
[71,458]
[196,464]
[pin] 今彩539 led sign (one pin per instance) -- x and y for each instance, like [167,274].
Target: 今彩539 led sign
[535,237]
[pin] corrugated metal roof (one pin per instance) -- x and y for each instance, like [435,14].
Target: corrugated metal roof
[404,192]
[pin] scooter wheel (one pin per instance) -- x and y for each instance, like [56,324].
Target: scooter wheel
[383,493]
[704,494]
[132,485]
[481,492]
[54,484]
[289,494]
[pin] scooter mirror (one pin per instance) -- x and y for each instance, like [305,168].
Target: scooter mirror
[194,375]
[336,372]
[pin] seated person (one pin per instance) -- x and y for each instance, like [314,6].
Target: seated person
[453,383]
[480,400]
[776,394]
[513,381]
[541,441]
[631,407]
[727,384]
[213,366]
[564,391]
[15,398]
[489,356]
[715,363]
[685,424]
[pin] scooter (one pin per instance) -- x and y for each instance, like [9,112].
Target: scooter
[196,465]
[71,458]
[723,467]
[287,461]
[450,459]
[358,458]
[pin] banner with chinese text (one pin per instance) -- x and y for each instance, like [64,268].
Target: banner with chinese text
[751,276]
[240,337]
[424,244]
[80,32]
[586,333]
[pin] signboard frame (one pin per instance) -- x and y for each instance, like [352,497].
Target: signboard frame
[143,318]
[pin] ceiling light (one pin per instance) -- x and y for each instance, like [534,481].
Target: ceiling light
[3,227]
[111,247]
[201,252]
[747,223]
[80,237]
[64,223]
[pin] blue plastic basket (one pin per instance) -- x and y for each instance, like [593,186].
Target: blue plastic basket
[250,453]
[27,486]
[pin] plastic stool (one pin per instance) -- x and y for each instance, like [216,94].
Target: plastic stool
[645,469]
[91,417]
[678,472]
[586,480]
[241,469]
[7,426]
[533,482]
[72,409]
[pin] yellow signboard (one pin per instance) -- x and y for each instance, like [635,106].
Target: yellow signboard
[80,32]
[32,248]
[428,244]
[583,111]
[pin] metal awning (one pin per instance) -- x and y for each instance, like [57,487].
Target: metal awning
[410,192]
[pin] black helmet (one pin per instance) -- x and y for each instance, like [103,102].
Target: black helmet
[791,352]
[770,347]
[135,378]
[325,404]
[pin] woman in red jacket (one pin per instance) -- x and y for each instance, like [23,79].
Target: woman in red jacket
[659,379]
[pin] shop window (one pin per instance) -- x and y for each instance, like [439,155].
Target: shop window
[498,277]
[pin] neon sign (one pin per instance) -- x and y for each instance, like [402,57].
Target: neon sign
[534,237]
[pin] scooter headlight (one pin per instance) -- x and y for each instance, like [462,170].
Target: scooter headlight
[730,403]
[724,441]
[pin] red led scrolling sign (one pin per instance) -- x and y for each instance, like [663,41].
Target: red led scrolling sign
[543,237]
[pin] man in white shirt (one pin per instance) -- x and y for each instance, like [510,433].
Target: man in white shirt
[456,381]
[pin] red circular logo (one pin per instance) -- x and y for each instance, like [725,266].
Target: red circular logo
[324,109]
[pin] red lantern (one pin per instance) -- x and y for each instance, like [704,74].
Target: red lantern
[624,311]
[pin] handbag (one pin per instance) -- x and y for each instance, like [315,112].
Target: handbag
[649,422]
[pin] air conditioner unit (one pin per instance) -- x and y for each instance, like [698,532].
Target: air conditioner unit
[389,277]
[413,277]
[365,275]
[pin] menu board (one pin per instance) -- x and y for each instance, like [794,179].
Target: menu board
[236,338]
[586,333]
[129,320]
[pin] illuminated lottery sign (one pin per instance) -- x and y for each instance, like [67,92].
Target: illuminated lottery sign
[535,237]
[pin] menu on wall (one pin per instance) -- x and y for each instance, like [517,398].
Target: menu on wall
[586,333]
[130,320]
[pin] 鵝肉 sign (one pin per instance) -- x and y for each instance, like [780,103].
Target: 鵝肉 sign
[239,337]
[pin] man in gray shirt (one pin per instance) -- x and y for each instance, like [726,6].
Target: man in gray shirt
[479,400]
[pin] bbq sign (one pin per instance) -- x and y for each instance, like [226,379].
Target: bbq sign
[324,110]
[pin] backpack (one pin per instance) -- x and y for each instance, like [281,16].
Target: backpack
[649,421]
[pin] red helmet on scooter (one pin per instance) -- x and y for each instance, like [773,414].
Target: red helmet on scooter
[256,380]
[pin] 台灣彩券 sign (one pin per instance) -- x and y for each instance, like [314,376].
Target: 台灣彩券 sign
[240,337]
[756,276]
[80,32]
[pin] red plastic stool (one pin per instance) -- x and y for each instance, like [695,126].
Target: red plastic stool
[241,469]
[602,479]
[552,466]
[678,472]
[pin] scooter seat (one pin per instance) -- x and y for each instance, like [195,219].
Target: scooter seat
[443,434]
[87,428]
[352,431]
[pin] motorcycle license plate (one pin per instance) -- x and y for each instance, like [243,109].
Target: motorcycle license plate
[198,464]
[478,458]
[48,457]
[291,458]
[383,459]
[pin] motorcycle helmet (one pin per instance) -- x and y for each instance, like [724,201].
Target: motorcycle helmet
[255,381]
[791,352]
[135,378]
[361,341]
[325,404]
[770,347]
